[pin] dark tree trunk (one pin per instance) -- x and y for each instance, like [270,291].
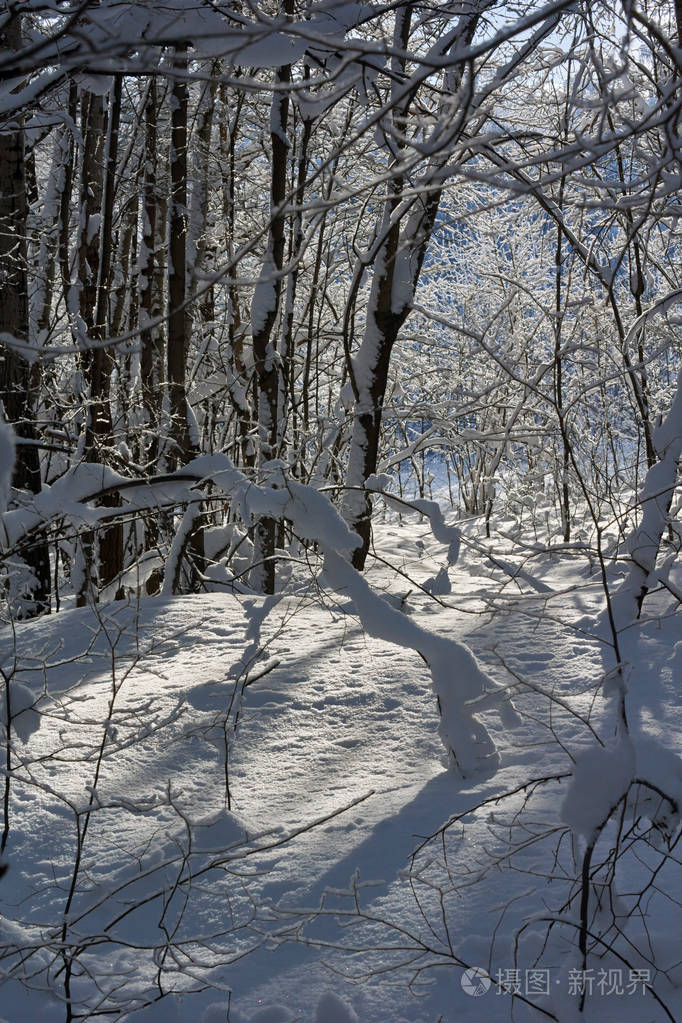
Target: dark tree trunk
[179,322]
[399,252]
[239,385]
[264,313]
[16,390]
[179,318]
[151,335]
[100,152]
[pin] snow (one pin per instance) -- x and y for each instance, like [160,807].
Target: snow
[305,716]
[6,461]
[264,302]
[66,496]
[275,50]
[446,534]
[458,679]
[24,718]
[655,498]
[94,223]
[212,30]
[332,1009]
[439,584]
[378,481]
[179,545]
[601,778]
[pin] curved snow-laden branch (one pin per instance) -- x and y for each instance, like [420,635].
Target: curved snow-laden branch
[461,686]
[655,498]
[459,681]
[6,460]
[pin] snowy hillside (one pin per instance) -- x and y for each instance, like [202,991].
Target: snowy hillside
[340,511]
[134,887]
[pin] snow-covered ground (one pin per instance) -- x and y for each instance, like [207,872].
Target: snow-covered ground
[129,877]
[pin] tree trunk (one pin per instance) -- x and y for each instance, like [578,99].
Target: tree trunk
[16,392]
[179,318]
[100,133]
[239,384]
[151,335]
[179,321]
[396,274]
[398,256]
[264,311]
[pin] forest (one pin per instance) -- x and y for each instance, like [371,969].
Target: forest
[340,577]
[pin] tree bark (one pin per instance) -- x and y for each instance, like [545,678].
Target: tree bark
[179,322]
[264,311]
[16,391]
[397,265]
[179,317]
[103,553]
[238,385]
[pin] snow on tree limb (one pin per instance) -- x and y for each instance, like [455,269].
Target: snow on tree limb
[6,461]
[655,498]
[460,684]
[458,679]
